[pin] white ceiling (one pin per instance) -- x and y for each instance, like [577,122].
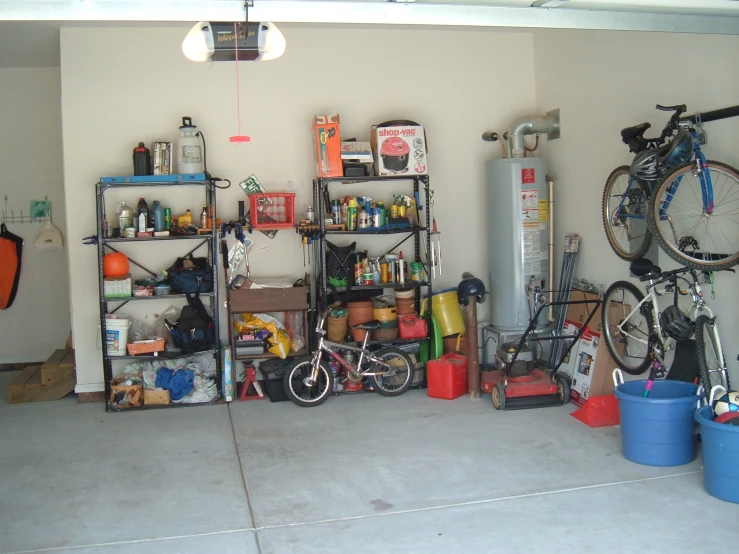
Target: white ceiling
[29,29]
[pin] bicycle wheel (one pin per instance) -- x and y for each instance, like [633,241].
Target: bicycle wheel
[625,203]
[398,378]
[693,229]
[629,346]
[711,360]
[302,394]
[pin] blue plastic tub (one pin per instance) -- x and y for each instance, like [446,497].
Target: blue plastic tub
[658,430]
[720,456]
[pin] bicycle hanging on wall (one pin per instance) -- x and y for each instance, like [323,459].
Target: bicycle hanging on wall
[671,192]
[637,330]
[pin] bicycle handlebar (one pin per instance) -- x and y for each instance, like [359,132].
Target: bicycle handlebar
[668,275]
[672,123]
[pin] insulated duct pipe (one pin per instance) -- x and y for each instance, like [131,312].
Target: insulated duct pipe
[529,125]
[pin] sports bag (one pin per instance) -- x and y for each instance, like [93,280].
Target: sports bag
[194,331]
[190,275]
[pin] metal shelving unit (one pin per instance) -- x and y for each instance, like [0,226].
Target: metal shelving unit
[421,183]
[208,240]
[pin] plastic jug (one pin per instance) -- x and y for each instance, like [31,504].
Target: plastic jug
[158,212]
[125,216]
[189,151]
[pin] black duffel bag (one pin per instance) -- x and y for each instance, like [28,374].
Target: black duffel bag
[190,275]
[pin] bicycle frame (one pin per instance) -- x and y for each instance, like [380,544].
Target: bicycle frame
[703,176]
[705,180]
[327,346]
[653,293]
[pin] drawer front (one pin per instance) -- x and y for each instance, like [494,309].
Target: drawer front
[268,300]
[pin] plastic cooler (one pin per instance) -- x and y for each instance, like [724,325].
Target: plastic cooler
[447,377]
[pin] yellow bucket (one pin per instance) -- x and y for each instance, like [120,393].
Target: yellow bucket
[446,310]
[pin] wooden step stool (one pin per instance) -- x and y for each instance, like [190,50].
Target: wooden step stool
[51,380]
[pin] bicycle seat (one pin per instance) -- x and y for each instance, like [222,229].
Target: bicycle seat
[369,326]
[637,131]
[643,267]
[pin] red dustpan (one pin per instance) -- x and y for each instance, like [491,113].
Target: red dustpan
[598,411]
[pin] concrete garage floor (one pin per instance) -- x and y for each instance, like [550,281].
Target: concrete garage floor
[359,474]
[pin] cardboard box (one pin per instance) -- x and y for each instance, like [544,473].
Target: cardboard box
[399,149]
[594,368]
[569,365]
[578,313]
[156,397]
[359,151]
[589,364]
[327,146]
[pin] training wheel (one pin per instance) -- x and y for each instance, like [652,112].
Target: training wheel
[563,390]
[498,395]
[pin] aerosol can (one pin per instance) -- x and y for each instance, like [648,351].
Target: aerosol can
[189,149]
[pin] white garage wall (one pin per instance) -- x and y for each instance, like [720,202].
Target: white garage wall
[604,81]
[124,85]
[38,322]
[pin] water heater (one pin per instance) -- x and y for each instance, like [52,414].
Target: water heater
[518,215]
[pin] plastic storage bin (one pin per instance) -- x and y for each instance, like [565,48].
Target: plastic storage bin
[447,377]
[658,430]
[272,210]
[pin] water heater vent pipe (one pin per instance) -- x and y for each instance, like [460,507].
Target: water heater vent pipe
[530,125]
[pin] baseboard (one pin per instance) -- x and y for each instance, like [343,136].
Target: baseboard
[90,387]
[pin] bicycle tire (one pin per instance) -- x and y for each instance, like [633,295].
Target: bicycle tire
[325,381]
[618,230]
[698,222]
[705,328]
[380,384]
[618,344]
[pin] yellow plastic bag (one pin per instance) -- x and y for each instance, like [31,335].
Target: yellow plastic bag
[280,342]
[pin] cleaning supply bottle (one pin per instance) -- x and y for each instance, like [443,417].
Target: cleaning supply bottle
[185,219]
[189,151]
[159,219]
[401,269]
[204,218]
[142,216]
[351,219]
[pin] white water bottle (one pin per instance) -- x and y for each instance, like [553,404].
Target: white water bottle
[189,150]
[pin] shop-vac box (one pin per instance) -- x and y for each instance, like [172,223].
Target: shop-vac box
[399,150]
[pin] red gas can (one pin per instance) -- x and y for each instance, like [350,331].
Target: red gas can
[412,327]
[447,376]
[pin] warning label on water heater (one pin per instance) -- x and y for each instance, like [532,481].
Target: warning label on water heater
[528,175]
[531,252]
[529,199]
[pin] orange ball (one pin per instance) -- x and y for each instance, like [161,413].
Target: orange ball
[115,265]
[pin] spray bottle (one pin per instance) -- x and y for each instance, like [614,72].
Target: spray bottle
[189,151]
